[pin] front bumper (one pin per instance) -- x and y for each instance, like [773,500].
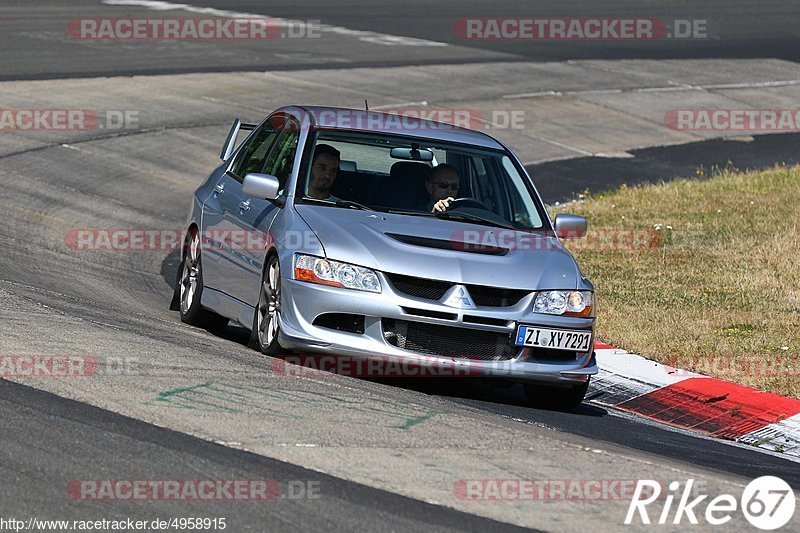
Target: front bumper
[303,302]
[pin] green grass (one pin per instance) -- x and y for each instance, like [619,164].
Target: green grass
[719,283]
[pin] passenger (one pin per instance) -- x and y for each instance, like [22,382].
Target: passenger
[442,187]
[324,168]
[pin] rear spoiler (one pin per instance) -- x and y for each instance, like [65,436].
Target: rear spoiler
[230,142]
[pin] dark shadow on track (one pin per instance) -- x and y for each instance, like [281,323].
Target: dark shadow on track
[482,390]
[562,180]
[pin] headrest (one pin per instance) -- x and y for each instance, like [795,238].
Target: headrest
[404,170]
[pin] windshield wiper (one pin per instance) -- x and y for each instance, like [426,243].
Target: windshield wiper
[451,215]
[317,201]
[410,212]
[353,205]
[339,203]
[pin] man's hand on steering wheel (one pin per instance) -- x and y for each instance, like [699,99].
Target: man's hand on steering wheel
[442,205]
[453,203]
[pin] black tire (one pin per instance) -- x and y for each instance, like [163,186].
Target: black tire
[189,288]
[556,398]
[266,319]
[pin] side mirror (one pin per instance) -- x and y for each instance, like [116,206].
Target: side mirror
[570,226]
[262,186]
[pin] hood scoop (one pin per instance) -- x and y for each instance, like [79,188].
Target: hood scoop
[457,246]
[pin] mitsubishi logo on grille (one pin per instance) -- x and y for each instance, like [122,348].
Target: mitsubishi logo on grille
[458,296]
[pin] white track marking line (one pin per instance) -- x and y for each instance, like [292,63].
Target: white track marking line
[70,147]
[371,37]
[669,88]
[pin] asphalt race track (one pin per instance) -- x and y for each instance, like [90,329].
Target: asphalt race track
[735,30]
[172,402]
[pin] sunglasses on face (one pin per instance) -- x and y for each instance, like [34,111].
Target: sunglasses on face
[446,185]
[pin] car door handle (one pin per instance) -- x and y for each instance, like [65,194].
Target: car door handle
[220,188]
[244,206]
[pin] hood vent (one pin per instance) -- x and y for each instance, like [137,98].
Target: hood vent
[442,244]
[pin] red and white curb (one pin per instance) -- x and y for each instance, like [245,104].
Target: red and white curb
[707,405]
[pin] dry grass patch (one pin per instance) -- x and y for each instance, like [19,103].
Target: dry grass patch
[718,291]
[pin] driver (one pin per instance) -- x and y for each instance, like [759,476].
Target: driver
[324,169]
[443,188]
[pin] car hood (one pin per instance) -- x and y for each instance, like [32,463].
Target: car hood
[435,249]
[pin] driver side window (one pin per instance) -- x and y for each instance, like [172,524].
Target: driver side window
[281,158]
[253,156]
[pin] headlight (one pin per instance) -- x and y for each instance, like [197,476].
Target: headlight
[569,303]
[327,272]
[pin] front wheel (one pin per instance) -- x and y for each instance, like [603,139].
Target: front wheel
[266,322]
[557,398]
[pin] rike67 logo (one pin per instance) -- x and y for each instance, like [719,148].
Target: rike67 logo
[767,503]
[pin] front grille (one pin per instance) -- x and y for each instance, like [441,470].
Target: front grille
[431,289]
[494,297]
[448,341]
[428,289]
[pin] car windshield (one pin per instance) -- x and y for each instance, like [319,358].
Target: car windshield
[486,184]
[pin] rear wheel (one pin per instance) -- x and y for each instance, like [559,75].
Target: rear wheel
[557,398]
[190,288]
[266,322]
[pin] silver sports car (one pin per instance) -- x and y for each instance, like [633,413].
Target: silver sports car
[377,236]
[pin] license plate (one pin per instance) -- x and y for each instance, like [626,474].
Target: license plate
[555,339]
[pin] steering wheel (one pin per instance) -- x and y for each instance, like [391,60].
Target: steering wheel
[467,202]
